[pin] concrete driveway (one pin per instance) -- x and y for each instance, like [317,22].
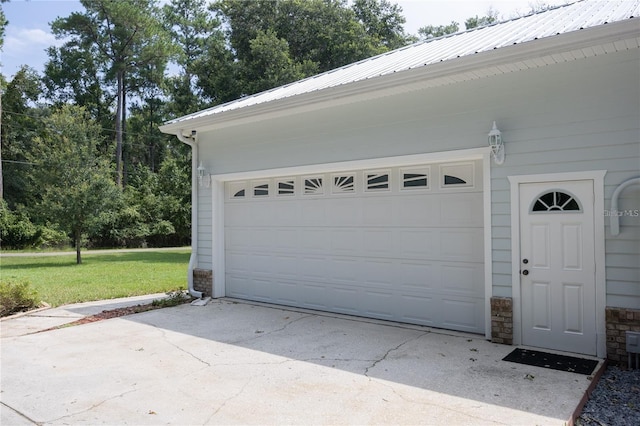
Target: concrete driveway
[241,363]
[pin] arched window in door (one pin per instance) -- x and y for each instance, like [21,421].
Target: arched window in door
[556,201]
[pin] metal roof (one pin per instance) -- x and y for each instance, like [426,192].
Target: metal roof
[556,21]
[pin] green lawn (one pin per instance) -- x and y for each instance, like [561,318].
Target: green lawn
[59,280]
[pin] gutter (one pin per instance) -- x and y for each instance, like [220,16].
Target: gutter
[193,260]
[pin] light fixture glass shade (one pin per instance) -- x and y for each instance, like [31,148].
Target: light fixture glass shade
[496,144]
[204,179]
[201,170]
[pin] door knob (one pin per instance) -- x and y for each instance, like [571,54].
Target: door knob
[525,272]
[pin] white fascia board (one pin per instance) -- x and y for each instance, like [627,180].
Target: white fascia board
[413,79]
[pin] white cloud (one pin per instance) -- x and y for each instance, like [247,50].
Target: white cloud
[25,46]
[25,40]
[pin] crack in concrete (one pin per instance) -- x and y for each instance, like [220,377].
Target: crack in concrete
[267,333]
[237,394]
[86,410]
[21,414]
[208,364]
[384,357]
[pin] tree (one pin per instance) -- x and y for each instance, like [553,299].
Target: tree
[72,74]
[305,37]
[74,181]
[195,31]
[382,20]
[3,24]
[22,121]
[127,36]
[431,31]
[475,22]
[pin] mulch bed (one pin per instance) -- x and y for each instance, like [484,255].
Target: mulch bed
[108,314]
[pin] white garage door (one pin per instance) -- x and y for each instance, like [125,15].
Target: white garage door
[402,244]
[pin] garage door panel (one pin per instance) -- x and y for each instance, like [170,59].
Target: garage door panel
[378,242]
[461,314]
[236,262]
[314,240]
[418,211]
[314,296]
[345,241]
[410,254]
[461,210]
[419,243]
[344,270]
[285,213]
[313,268]
[345,211]
[286,240]
[239,286]
[377,212]
[260,238]
[419,310]
[284,266]
[462,279]
[377,273]
[461,244]
[237,214]
[378,304]
[284,292]
[346,299]
[313,212]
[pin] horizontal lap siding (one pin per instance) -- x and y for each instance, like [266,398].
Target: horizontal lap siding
[578,117]
[570,117]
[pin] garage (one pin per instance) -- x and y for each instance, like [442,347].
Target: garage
[395,243]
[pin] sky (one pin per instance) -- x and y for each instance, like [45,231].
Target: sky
[29,34]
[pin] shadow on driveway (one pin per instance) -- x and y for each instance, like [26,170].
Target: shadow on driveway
[241,363]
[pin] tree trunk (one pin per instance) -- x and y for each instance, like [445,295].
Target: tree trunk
[1,181]
[78,238]
[119,108]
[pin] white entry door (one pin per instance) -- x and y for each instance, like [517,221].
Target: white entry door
[557,266]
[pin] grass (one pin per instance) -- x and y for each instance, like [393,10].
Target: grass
[59,280]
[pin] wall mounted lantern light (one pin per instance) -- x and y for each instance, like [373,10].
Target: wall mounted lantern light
[496,144]
[204,178]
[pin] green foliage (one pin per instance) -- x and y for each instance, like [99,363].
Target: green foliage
[60,161]
[59,280]
[21,122]
[475,21]
[432,31]
[175,298]
[16,295]
[76,187]
[18,232]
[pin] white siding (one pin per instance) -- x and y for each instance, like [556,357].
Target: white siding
[576,116]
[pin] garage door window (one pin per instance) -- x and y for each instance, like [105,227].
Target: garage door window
[313,186]
[344,183]
[378,181]
[415,178]
[261,189]
[457,175]
[286,187]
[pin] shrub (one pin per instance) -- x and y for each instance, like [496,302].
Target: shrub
[16,296]
[176,297]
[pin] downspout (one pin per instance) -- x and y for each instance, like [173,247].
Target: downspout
[193,260]
[614,218]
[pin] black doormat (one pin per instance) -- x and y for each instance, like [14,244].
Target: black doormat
[553,361]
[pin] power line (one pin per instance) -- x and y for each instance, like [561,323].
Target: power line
[135,134]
